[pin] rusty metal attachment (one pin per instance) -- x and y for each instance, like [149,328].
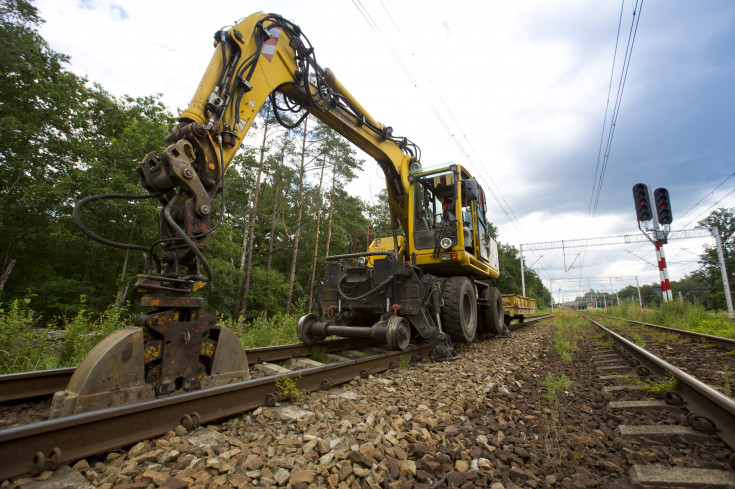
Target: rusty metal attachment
[42,462]
[642,371]
[672,397]
[172,350]
[272,398]
[190,421]
[701,423]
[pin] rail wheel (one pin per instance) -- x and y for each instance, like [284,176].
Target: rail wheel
[303,329]
[459,314]
[493,313]
[398,333]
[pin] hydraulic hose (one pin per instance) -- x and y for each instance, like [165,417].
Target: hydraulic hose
[127,246]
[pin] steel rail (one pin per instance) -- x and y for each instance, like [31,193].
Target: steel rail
[702,337]
[47,444]
[528,320]
[38,383]
[708,408]
[43,383]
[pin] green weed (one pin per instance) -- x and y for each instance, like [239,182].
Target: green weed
[27,345]
[23,346]
[404,361]
[568,334]
[317,353]
[679,315]
[726,383]
[288,388]
[554,385]
[657,386]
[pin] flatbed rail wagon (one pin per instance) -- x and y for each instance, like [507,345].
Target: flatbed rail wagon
[518,307]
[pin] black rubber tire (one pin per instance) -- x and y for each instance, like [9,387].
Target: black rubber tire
[494,320]
[459,314]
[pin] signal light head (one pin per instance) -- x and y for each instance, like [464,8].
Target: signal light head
[642,205]
[663,206]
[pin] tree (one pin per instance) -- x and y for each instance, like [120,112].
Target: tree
[269,122]
[724,220]
[40,111]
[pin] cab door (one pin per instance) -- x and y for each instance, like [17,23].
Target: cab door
[482,237]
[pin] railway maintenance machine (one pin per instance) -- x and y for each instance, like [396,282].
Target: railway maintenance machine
[426,285]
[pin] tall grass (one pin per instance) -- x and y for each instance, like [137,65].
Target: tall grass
[23,347]
[277,330]
[568,334]
[677,314]
[27,343]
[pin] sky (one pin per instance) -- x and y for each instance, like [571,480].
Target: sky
[515,91]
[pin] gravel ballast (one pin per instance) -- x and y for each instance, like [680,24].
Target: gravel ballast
[479,421]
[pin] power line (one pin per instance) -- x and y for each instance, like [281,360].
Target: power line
[711,206]
[494,189]
[607,105]
[618,100]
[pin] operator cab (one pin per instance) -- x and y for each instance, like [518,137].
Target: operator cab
[449,221]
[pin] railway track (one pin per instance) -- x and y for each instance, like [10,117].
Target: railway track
[26,386]
[44,383]
[710,359]
[46,445]
[719,341]
[690,412]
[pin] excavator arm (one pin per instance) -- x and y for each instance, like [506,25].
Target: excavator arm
[261,59]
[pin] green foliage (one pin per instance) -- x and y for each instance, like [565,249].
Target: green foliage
[85,329]
[567,335]
[638,340]
[404,361]
[317,353]
[679,315]
[288,388]
[555,385]
[23,346]
[277,330]
[656,385]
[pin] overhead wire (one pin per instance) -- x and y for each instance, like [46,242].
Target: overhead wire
[637,8]
[603,157]
[607,105]
[493,190]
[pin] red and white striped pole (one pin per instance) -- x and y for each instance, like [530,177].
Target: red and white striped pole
[663,272]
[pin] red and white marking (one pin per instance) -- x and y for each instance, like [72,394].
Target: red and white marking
[663,272]
[269,47]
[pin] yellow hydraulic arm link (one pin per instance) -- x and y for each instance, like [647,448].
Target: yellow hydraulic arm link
[265,54]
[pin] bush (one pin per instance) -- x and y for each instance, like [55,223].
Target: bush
[277,330]
[84,331]
[23,345]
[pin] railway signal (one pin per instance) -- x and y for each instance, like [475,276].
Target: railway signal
[644,213]
[642,202]
[663,206]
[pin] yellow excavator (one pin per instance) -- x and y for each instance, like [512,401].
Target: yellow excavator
[424,286]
